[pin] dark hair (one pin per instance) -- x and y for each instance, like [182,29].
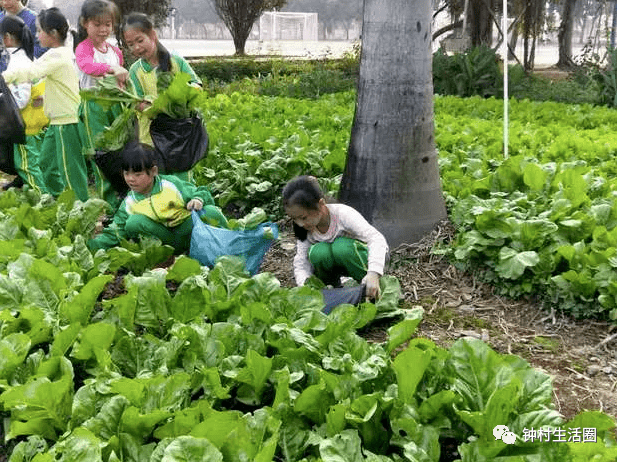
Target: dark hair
[16,27]
[52,20]
[138,157]
[92,9]
[143,23]
[303,191]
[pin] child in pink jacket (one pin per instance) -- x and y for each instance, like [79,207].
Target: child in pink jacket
[97,58]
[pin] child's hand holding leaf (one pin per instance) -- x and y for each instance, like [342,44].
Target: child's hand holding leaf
[107,93]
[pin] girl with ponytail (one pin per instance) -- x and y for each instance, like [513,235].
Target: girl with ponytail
[64,166]
[153,58]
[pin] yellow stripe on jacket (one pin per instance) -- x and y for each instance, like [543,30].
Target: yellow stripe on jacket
[166,207]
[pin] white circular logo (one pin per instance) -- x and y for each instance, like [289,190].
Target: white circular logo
[508,437]
[499,430]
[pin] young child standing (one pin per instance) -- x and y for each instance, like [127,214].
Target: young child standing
[20,44]
[333,240]
[157,205]
[97,58]
[61,156]
[16,8]
[153,58]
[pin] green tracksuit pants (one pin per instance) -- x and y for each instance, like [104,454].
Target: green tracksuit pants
[179,237]
[27,162]
[62,162]
[343,257]
[94,120]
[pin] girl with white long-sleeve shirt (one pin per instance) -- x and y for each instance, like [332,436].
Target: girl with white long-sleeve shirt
[333,240]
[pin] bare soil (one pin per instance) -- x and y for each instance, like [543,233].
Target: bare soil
[579,355]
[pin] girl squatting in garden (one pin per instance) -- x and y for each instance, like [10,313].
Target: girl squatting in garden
[333,240]
[97,58]
[157,205]
[65,166]
[19,42]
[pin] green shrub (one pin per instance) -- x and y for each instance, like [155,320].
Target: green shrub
[576,89]
[279,77]
[474,72]
[607,80]
[307,85]
[477,72]
[231,69]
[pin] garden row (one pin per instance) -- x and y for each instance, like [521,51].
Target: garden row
[185,363]
[540,223]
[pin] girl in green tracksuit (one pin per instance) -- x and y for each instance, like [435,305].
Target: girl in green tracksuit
[19,42]
[141,38]
[157,205]
[64,166]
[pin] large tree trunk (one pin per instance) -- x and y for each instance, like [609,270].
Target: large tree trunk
[480,22]
[240,38]
[392,176]
[564,36]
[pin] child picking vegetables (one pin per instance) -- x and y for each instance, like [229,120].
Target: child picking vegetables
[157,205]
[153,61]
[96,58]
[333,240]
[65,166]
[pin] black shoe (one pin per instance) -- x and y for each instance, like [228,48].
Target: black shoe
[16,183]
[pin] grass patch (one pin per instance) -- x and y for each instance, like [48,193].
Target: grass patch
[548,343]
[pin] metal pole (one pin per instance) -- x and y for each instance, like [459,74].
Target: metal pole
[505,78]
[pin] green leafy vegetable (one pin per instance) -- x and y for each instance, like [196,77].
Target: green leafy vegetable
[177,97]
[120,132]
[106,93]
[250,221]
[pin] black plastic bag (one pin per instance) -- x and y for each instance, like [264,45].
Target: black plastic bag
[335,297]
[7,161]
[180,143]
[12,126]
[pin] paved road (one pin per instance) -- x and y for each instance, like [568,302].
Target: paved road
[546,54]
[301,48]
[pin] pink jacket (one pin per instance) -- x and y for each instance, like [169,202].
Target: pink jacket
[84,55]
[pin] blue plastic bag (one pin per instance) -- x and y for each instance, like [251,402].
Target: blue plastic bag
[208,243]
